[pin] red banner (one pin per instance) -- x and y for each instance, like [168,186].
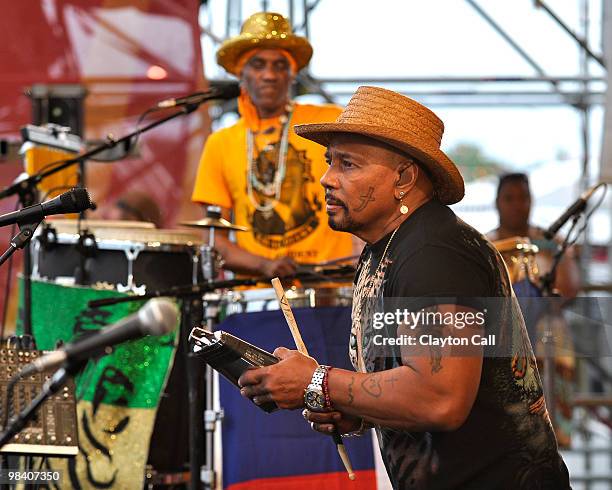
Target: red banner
[127,55]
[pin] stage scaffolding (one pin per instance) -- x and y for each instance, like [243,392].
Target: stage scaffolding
[582,92]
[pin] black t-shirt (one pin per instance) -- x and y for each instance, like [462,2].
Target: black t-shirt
[507,441]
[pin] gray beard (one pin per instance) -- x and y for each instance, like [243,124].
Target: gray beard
[347,225]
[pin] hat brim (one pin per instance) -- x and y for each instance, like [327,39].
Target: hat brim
[231,50]
[447,180]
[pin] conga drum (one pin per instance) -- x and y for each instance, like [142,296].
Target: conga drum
[133,403]
[519,255]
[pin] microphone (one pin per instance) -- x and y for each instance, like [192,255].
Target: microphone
[157,317]
[224,92]
[73,201]
[577,207]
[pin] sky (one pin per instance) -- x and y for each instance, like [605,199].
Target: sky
[436,38]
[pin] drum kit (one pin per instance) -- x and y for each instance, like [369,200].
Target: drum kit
[142,261]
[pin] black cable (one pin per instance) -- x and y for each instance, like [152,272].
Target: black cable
[42,461]
[588,215]
[50,165]
[141,119]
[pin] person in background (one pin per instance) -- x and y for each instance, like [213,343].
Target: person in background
[258,169]
[136,206]
[513,203]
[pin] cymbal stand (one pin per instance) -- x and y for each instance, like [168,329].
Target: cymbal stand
[212,413]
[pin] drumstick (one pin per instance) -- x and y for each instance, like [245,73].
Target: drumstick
[299,343]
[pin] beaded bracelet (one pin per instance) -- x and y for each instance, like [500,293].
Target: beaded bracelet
[325,388]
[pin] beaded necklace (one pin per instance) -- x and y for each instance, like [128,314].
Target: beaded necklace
[272,190]
[359,304]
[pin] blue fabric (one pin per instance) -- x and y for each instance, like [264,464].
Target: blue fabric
[532,305]
[261,445]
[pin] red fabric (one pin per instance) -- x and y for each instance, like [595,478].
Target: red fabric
[109,46]
[365,480]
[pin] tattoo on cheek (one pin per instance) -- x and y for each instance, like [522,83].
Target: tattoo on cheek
[365,200]
[371,385]
[350,391]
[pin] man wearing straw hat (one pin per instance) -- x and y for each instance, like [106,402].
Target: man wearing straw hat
[446,417]
[258,168]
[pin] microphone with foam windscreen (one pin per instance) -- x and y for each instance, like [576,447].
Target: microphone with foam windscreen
[158,316]
[73,201]
[224,92]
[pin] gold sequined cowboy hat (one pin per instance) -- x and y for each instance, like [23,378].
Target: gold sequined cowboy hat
[402,123]
[264,30]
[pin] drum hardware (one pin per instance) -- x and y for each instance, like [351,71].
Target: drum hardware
[214,223]
[125,256]
[52,135]
[211,302]
[340,260]
[318,274]
[257,300]
[130,285]
[47,237]
[86,248]
[155,478]
[86,245]
[196,290]
[519,256]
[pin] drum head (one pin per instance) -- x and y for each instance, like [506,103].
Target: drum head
[519,255]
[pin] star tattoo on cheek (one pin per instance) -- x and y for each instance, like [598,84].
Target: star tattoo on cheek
[365,200]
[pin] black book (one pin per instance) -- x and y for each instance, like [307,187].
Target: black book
[230,355]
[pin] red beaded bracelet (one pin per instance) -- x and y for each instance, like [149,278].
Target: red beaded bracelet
[328,404]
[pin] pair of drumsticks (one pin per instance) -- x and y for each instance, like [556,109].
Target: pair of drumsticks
[297,338]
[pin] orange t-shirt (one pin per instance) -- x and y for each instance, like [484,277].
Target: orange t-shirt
[297,225]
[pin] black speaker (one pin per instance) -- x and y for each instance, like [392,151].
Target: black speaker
[59,104]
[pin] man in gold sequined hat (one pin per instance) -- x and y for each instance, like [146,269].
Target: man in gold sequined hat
[259,169]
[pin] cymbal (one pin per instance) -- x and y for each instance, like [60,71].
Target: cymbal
[219,223]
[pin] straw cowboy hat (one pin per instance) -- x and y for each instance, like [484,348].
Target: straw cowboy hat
[264,30]
[402,123]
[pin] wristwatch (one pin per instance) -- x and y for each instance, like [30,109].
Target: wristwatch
[314,398]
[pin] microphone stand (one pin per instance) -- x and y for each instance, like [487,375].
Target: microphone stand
[199,289]
[110,143]
[22,241]
[26,231]
[548,339]
[26,189]
[178,291]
